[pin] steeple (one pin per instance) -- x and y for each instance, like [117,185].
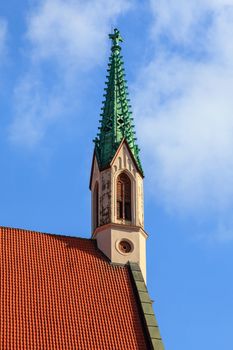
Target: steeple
[116,176]
[116,123]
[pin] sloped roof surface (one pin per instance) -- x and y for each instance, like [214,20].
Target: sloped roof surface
[59,292]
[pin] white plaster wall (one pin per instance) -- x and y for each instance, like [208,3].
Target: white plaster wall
[142,253]
[140,200]
[104,241]
[109,237]
[105,197]
[105,193]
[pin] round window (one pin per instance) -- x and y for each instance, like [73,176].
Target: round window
[125,247]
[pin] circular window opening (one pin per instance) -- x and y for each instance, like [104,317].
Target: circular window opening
[125,247]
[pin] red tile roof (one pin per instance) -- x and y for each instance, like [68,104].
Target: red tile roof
[59,292]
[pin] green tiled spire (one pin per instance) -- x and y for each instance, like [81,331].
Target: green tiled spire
[116,117]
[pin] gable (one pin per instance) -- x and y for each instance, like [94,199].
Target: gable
[124,159]
[94,170]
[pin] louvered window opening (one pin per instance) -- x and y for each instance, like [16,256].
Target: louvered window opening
[123,197]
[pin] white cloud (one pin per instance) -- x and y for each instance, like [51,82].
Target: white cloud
[183,21]
[70,36]
[73,32]
[35,110]
[186,107]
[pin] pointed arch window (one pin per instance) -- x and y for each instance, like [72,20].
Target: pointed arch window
[124,197]
[96,206]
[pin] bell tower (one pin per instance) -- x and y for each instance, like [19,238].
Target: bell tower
[116,181]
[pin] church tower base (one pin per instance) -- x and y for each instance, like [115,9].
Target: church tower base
[123,243]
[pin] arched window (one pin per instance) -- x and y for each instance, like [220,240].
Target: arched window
[96,206]
[123,197]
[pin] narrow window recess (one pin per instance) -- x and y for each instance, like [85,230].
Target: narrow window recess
[124,197]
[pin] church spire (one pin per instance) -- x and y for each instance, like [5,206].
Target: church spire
[116,117]
[116,181]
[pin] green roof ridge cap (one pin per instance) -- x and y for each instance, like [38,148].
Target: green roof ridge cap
[145,303]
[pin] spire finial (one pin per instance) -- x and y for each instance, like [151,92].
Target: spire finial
[116,38]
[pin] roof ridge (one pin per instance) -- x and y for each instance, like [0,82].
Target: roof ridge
[44,233]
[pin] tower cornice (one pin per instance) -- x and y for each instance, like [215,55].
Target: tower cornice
[126,227]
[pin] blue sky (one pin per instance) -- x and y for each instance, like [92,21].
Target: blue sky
[178,60]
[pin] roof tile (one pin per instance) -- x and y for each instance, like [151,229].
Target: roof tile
[59,292]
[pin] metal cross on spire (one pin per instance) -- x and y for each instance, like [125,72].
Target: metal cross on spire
[116,38]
